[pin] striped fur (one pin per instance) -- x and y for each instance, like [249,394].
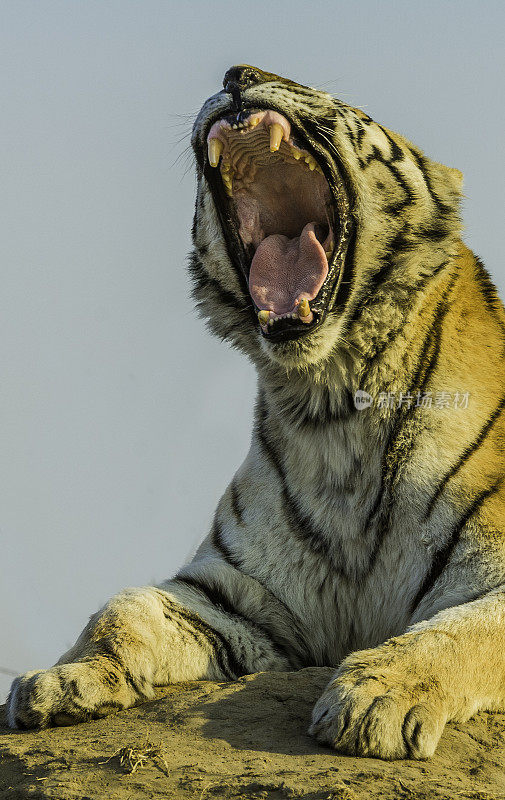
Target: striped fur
[370,540]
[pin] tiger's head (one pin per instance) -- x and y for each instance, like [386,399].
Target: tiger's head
[308,215]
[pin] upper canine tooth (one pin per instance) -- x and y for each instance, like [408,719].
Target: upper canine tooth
[263,317]
[276,134]
[215,148]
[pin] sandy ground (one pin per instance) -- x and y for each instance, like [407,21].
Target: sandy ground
[210,741]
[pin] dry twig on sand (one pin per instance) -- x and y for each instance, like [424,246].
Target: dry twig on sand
[135,757]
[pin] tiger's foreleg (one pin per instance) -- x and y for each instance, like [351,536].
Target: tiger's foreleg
[394,700]
[141,639]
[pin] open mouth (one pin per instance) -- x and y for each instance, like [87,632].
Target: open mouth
[290,228]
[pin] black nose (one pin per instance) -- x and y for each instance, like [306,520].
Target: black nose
[238,79]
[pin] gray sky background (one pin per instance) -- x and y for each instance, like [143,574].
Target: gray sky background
[121,421]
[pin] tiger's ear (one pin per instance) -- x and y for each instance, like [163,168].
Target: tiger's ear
[457,177]
[452,177]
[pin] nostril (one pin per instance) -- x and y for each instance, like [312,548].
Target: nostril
[240,78]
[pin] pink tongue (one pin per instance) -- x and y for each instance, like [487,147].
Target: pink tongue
[285,271]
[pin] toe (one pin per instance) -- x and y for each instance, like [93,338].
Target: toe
[421,730]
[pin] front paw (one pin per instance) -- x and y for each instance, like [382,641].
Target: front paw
[66,694]
[378,706]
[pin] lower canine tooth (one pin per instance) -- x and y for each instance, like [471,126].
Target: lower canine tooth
[276,134]
[215,148]
[304,312]
[303,308]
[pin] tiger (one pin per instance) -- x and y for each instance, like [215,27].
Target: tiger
[364,530]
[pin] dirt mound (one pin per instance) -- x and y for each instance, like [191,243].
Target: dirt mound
[214,741]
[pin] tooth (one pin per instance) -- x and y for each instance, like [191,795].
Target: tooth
[215,148]
[276,134]
[303,308]
[304,312]
[297,154]
[263,317]
[228,183]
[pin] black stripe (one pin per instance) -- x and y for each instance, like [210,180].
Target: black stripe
[397,153]
[352,136]
[395,332]
[107,651]
[487,286]
[220,545]
[297,411]
[217,598]
[490,295]
[229,664]
[204,281]
[377,281]
[421,284]
[465,455]
[228,558]
[395,432]
[435,231]
[213,594]
[301,526]
[442,557]
[426,363]
[236,507]
[422,164]
[401,440]
[426,367]
[390,469]
[401,243]
[409,200]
